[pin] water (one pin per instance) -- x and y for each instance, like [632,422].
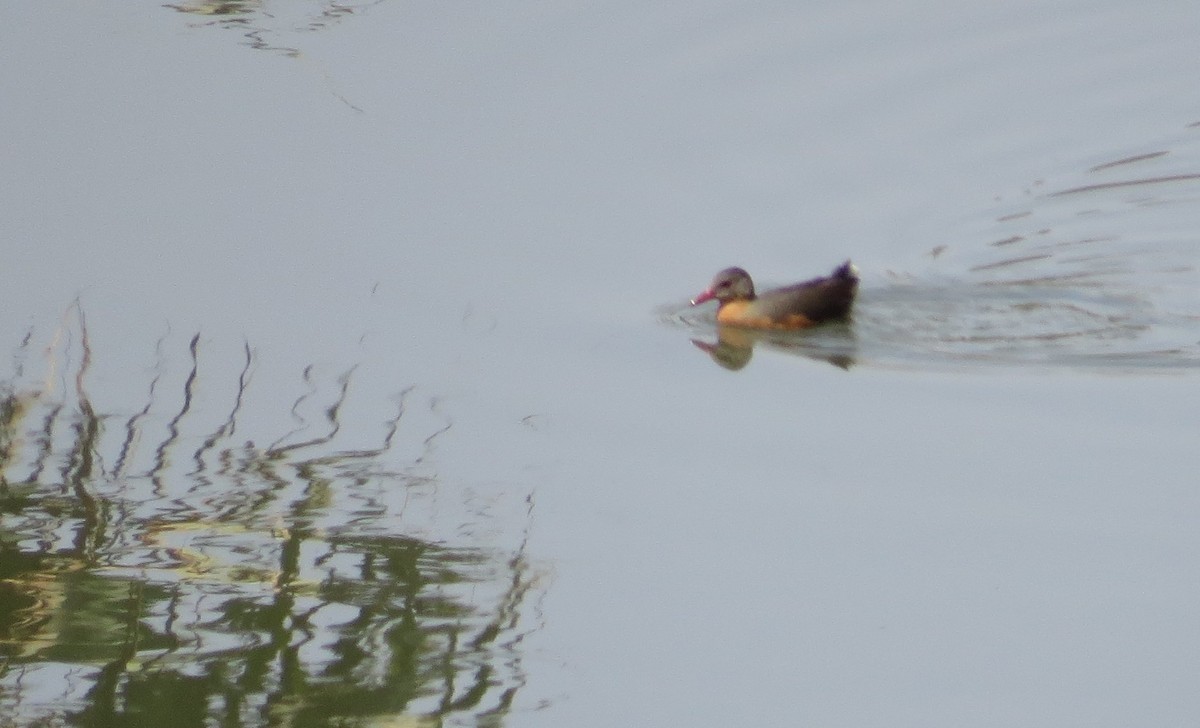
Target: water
[1062,287]
[352,379]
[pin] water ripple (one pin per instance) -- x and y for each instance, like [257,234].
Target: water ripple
[1093,270]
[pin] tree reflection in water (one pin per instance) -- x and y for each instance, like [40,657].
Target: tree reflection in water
[151,574]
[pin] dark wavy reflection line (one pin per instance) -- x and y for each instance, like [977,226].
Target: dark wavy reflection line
[44,441]
[1010,261]
[521,582]
[77,468]
[44,444]
[227,427]
[133,424]
[509,614]
[331,417]
[429,441]
[306,376]
[161,458]
[79,474]
[14,405]
[1126,183]
[1128,160]
[22,354]
[1082,279]
[393,425]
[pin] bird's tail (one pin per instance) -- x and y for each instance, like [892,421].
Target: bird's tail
[846,270]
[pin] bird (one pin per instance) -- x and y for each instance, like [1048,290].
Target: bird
[797,306]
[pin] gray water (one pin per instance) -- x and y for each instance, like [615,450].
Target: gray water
[353,381]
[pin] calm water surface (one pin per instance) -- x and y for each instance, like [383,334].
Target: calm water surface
[351,379]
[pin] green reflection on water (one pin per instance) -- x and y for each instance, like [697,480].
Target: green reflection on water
[162,576]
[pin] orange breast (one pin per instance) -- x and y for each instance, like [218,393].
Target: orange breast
[742,313]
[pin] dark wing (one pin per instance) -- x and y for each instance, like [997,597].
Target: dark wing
[820,299]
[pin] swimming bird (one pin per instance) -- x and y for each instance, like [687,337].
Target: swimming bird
[797,306]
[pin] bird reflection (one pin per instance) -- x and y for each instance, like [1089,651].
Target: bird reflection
[734,346]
